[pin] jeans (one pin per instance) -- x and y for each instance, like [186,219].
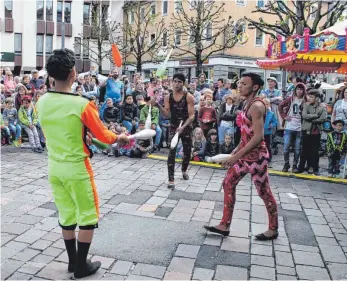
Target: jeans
[129,125]
[33,135]
[288,135]
[222,131]
[157,135]
[16,129]
[164,133]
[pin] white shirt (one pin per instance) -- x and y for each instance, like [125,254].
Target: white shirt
[295,114]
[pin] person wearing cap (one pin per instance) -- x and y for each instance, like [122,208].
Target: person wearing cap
[35,81]
[313,117]
[336,147]
[28,120]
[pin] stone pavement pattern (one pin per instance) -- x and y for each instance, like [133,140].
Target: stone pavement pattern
[148,232]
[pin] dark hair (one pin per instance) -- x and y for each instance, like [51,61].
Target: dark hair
[298,80]
[180,77]
[221,80]
[314,92]
[141,122]
[78,87]
[256,79]
[60,64]
[147,98]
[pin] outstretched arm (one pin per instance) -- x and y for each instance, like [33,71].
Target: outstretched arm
[165,111]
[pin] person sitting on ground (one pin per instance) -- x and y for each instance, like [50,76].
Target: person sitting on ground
[28,120]
[111,112]
[140,101]
[199,144]
[212,145]
[5,132]
[10,116]
[227,146]
[142,147]
[129,112]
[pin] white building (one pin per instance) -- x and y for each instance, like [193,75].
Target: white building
[32,29]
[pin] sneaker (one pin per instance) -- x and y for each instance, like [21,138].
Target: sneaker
[164,144]
[41,149]
[295,169]
[15,143]
[36,150]
[286,168]
[310,171]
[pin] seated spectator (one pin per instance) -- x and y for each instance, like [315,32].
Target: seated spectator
[129,112]
[227,146]
[225,91]
[212,145]
[142,147]
[50,83]
[140,101]
[164,125]
[155,121]
[5,132]
[21,91]
[10,116]
[35,80]
[207,115]
[79,90]
[125,150]
[43,88]
[199,144]
[28,119]
[9,83]
[26,83]
[226,118]
[111,113]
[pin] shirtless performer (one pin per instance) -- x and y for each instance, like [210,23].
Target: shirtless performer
[250,156]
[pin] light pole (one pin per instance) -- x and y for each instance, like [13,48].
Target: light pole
[62,25]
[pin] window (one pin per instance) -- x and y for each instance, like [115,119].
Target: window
[67,12]
[59,11]
[259,38]
[85,48]
[131,17]
[77,46]
[18,43]
[86,14]
[192,35]
[313,11]
[142,14]
[151,39]
[178,37]
[49,44]
[40,9]
[178,6]
[153,10]
[165,7]
[49,10]
[104,15]
[209,31]
[241,2]
[39,44]
[165,39]
[260,3]
[8,8]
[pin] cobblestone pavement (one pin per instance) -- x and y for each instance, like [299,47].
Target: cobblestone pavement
[148,232]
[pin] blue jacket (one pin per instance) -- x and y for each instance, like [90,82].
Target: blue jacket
[270,120]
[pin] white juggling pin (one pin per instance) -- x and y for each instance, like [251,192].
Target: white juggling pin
[218,158]
[174,140]
[148,122]
[145,134]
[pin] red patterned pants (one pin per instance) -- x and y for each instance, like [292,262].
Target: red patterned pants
[260,179]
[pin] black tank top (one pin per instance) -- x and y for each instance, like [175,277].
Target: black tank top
[179,110]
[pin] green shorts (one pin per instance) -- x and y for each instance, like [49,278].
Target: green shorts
[75,194]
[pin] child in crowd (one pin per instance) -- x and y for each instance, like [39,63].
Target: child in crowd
[212,145]
[313,115]
[226,118]
[142,147]
[199,144]
[10,116]
[227,146]
[140,103]
[164,125]
[129,113]
[336,147]
[111,112]
[5,132]
[125,150]
[26,83]
[207,115]
[269,126]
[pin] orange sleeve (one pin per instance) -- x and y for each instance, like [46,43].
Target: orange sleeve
[90,118]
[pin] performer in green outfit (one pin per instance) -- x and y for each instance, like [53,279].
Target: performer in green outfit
[65,119]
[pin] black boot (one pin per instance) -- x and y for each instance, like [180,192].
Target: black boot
[70,246]
[85,267]
[286,168]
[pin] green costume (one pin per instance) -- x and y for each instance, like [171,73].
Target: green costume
[65,118]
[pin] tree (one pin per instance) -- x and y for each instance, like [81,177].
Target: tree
[205,33]
[97,44]
[142,33]
[289,21]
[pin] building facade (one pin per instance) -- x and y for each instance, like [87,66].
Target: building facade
[32,29]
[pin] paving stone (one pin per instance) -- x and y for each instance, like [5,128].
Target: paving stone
[5,237]
[20,276]
[26,255]
[337,271]
[291,207]
[9,267]
[333,254]
[147,208]
[262,260]
[51,251]
[262,272]
[182,265]
[189,204]
[28,219]
[15,228]
[341,237]
[305,248]
[137,197]
[43,259]
[312,273]
[206,204]
[41,212]
[97,276]
[285,277]
[230,272]
[314,260]
[263,250]
[202,274]
[41,244]
[52,236]
[322,230]
[235,244]
[105,262]
[240,228]
[216,196]
[184,210]
[149,270]
[282,248]
[121,267]
[162,193]
[176,216]
[312,212]
[115,200]
[11,249]
[31,267]
[155,200]
[213,240]
[163,211]
[187,251]
[178,195]
[31,236]
[283,258]
[285,270]
[109,276]
[126,208]
[139,277]
[204,213]
[316,220]
[177,276]
[326,241]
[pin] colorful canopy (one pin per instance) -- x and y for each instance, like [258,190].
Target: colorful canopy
[321,53]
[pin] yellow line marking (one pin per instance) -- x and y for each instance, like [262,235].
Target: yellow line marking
[271,172]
